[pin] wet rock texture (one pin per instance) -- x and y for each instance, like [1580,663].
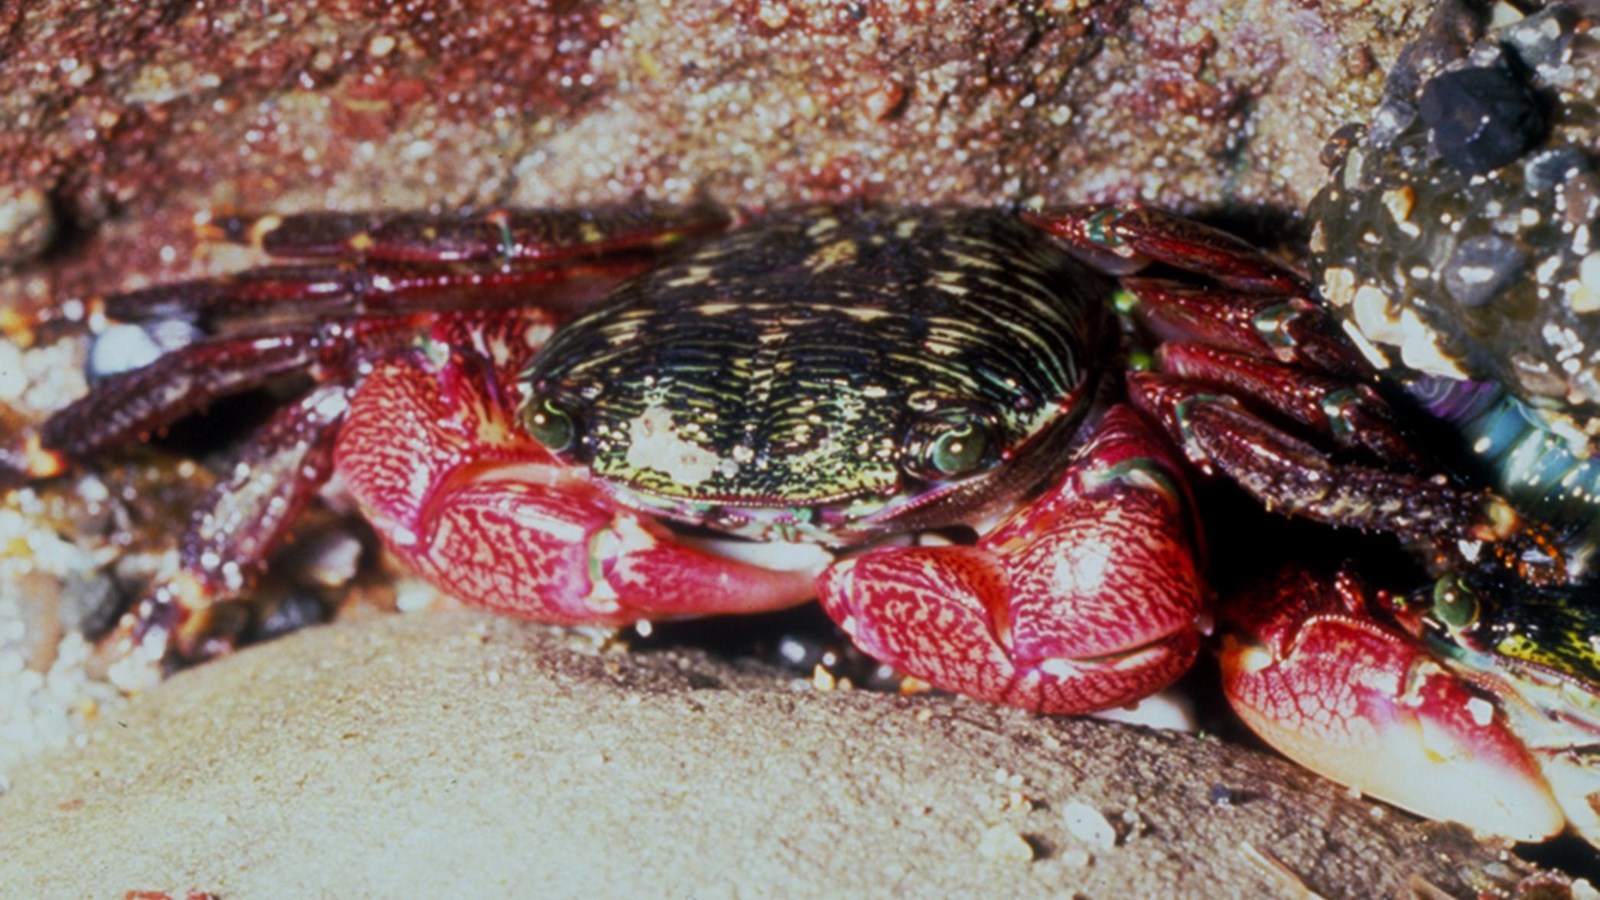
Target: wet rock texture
[121,122]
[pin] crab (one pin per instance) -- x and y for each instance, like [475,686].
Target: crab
[1455,240]
[918,416]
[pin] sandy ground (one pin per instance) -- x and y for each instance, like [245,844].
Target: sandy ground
[464,755]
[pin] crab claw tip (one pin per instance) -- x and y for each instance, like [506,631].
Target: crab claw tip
[1369,708]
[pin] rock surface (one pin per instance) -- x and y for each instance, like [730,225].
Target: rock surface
[124,122]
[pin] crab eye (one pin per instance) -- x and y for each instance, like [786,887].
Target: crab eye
[959,449]
[1454,604]
[950,444]
[550,425]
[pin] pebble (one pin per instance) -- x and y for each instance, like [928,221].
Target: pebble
[1003,843]
[1086,824]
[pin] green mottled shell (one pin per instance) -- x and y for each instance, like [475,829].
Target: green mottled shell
[1543,644]
[777,373]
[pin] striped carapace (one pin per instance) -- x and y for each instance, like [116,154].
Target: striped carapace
[833,373]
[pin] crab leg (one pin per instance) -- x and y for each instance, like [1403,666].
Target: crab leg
[1350,415]
[1285,473]
[1289,329]
[414,263]
[1136,234]
[1086,600]
[1259,339]
[244,518]
[1308,669]
[135,404]
[348,310]
[543,236]
[142,401]
[1217,432]
[1267,314]
[308,293]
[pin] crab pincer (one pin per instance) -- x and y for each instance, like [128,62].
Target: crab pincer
[1080,601]
[1373,689]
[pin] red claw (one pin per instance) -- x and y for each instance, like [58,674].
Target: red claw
[1083,601]
[482,511]
[1309,669]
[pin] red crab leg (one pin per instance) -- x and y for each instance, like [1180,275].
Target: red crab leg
[1294,477]
[135,404]
[353,307]
[1289,329]
[1267,314]
[1085,600]
[1288,474]
[1138,234]
[311,292]
[138,403]
[1282,351]
[1215,431]
[1351,415]
[244,518]
[544,236]
[1309,670]
[558,258]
